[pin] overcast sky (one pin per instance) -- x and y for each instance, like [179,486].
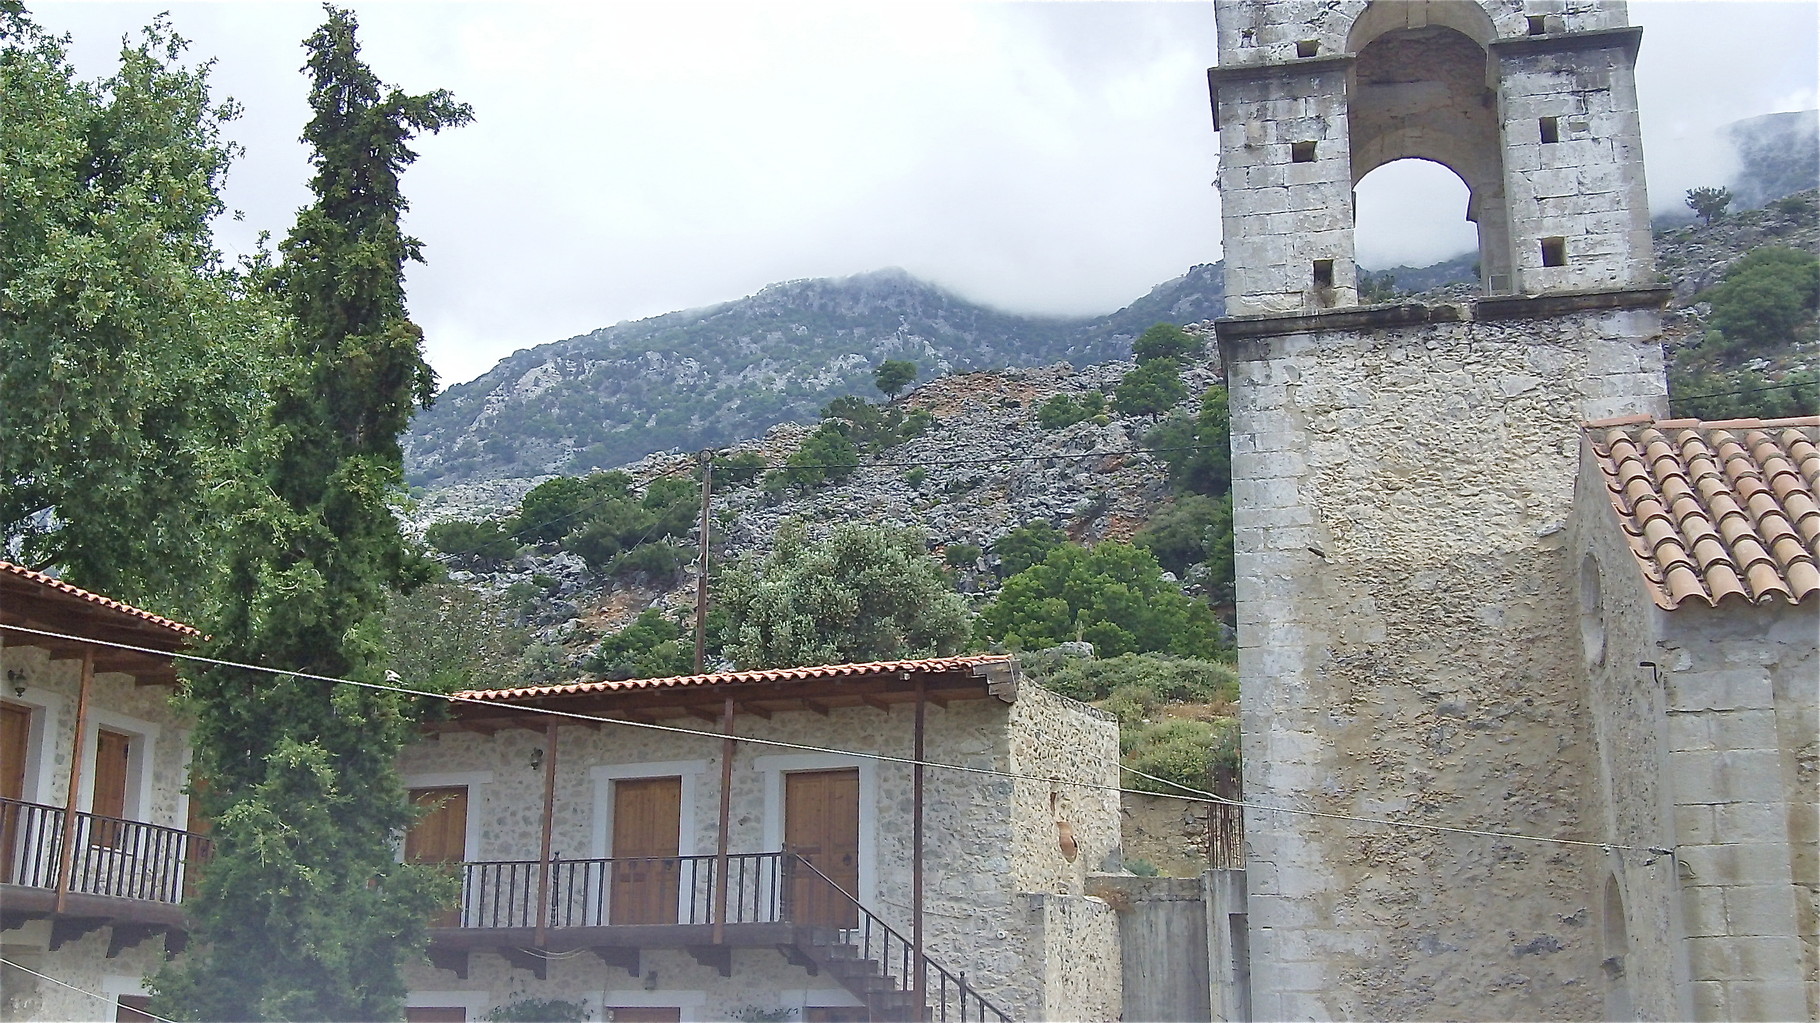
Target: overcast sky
[629,159]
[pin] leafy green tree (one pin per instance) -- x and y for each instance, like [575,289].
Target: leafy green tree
[1151,389]
[304,912]
[1709,202]
[653,646]
[447,637]
[1112,595]
[1198,450]
[1743,393]
[893,375]
[1165,341]
[741,470]
[1178,534]
[131,362]
[1027,545]
[554,508]
[866,593]
[1765,297]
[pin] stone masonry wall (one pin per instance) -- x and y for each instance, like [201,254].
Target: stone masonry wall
[1743,748]
[1408,648]
[975,919]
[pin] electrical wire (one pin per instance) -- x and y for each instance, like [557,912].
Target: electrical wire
[1189,794]
[109,999]
[1748,390]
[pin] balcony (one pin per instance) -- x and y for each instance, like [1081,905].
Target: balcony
[127,875]
[616,907]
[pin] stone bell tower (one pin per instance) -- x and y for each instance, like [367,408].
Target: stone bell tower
[1403,476]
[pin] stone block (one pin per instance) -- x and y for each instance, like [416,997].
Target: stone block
[1708,998]
[1735,689]
[1695,824]
[1703,910]
[1736,864]
[1760,910]
[1754,822]
[1767,1001]
[1723,776]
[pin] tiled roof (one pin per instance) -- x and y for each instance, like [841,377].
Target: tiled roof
[97,599]
[1717,511]
[733,678]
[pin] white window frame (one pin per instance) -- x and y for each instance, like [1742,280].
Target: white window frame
[689,1001]
[603,777]
[40,763]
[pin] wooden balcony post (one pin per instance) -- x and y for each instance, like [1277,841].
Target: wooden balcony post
[67,849]
[726,811]
[549,816]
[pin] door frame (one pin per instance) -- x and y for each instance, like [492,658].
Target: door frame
[604,775]
[142,752]
[41,728]
[771,771]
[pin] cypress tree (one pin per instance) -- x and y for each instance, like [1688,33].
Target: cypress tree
[304,913]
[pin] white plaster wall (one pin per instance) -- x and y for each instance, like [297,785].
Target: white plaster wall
[1408,647]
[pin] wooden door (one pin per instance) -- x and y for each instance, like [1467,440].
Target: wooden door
[821,824]
[647,822]
[113,755]
[435,1014]
[15,733]
[440,835]
[133,1009]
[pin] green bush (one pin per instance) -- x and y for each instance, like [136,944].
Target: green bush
[1149,680]
[1064,410]
[1198,450]
[741,470]
[1179,750]
[961,555]
[653,646]
[487,540]
[657,560]
[916,476]
[827,456]
[1765,297]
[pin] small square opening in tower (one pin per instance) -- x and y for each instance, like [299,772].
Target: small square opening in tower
[1554,252]
[1301,152]
[1323,273]
[1538,25]
[1307,48]
[1551,129]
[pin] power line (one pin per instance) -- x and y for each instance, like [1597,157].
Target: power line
[1748,390]
[1190,794]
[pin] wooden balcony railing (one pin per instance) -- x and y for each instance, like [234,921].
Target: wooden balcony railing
[108,855]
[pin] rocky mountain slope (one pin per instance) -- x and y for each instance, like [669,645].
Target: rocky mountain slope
[707,377]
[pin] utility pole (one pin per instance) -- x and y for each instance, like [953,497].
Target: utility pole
[701,575]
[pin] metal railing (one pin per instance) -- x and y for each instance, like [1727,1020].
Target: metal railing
[620,890]
[108,855]
[761,888]
[946,996]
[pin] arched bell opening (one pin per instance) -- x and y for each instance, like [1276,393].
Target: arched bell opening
[1409,212]
[1424,87]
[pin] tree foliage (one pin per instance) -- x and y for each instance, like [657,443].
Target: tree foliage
[893,375]
[1165,341]
[1027,545]
[1112,595]
[1765,297]
[653,646]
[866,593]
[1064,410]
[1708,203]
[304,912]
[1198,450]
[131,361]
[1151,389]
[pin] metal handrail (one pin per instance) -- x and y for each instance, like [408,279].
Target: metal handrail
[110,855]
[503,893]
[871,928]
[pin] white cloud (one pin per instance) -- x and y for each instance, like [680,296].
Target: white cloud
[629,159]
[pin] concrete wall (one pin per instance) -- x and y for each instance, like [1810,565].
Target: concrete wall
[1408,647]
[987,839]
[1163,937]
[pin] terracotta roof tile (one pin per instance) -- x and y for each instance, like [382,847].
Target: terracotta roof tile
[129,610]
[733,678]
[1716,511]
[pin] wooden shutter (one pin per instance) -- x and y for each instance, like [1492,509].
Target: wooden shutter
[821,824]
[647,823]
[440,835]
[113,755]
[15,733]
